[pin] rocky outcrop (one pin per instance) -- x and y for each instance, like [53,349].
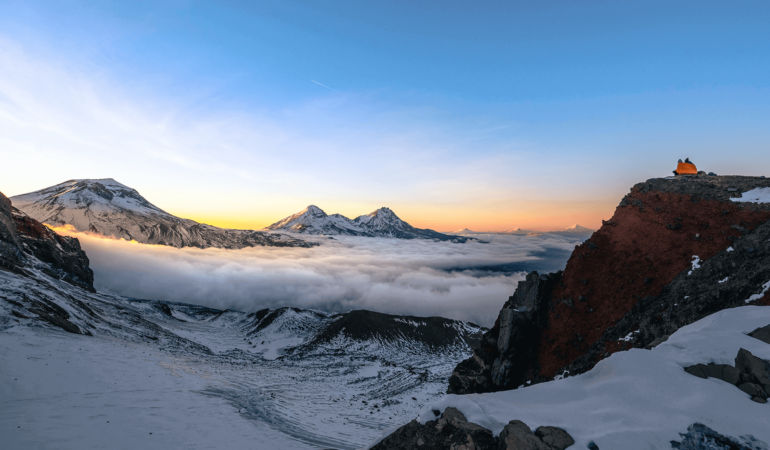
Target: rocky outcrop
[675,251]
[763,334]
[27,244]
[452,431]
[701,437]
[515,335]
[750,374]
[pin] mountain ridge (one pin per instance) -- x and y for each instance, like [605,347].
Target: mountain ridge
[382,222]
[110,208]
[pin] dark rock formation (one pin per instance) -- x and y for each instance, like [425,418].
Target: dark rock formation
[515,335]
[750,374]
[763,334]
[632,284]
[701,437]
[453,431]
[26,243]
[434,332]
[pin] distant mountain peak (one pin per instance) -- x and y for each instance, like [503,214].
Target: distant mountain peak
[313,209]
[578,229]
[382,222]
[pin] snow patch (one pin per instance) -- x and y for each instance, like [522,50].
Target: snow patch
[695,264]
[758,195]
[629,336]
[638,399]
[766,287]
[722,281]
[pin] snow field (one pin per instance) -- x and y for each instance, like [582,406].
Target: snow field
[639,399]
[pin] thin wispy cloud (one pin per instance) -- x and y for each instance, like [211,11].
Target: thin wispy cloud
[327,87]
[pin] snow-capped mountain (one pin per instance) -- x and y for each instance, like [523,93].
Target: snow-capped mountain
[107,207]
[156,374]
[575,230]
[380,223]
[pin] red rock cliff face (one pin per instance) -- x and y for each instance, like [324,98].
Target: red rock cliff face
[647,243]
[632,283]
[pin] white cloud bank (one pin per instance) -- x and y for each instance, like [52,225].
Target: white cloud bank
[396,276]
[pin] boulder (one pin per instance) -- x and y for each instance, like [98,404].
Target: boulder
[450,431]
[723,372]
[557,438]
[758,369]
[763,334]
[517,436]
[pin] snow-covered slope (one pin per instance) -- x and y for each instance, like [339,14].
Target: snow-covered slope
[642,399]
[150,374]
[380,223]
[109,208]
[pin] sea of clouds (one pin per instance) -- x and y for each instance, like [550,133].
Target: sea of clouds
[468,281]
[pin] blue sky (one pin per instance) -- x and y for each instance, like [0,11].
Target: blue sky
[490,116]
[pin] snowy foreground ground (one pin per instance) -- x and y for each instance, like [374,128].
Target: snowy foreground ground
[640,399]
[167,376]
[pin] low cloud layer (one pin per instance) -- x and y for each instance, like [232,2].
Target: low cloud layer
[463,281]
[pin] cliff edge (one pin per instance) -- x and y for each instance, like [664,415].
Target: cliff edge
[676,250]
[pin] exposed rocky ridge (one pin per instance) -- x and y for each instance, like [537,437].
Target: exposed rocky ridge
[701,437]
[434,332]
[453,431]
[109,208]
[632,283]
[382,222]
[26,244]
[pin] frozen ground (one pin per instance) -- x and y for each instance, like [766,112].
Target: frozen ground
[166,375]
[640,399]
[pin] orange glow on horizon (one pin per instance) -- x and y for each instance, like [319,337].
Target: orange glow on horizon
[440,218]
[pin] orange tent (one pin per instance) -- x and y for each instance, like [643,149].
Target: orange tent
[684,168]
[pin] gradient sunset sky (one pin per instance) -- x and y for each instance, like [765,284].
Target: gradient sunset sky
[486,115]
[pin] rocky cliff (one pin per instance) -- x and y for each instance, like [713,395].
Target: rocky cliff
[26,244]
[676,250]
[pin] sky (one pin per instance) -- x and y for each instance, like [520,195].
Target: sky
[490,116]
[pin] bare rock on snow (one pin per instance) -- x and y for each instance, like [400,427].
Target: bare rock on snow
[451,430]
[763,334]
[701,437]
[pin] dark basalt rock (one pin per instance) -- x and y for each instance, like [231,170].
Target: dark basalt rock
[453,431]
[514,337]
[701,437]
[632,284]
[750,374]
[25,243]
[763,334]
[364,325]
